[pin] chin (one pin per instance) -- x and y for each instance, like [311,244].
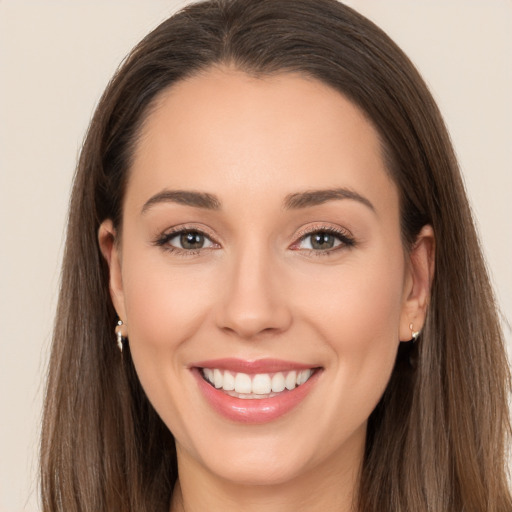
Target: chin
[258,472]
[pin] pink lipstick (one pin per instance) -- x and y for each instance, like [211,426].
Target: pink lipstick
[254,391]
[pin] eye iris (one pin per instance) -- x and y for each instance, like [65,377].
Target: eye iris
[322,241]
[192,240]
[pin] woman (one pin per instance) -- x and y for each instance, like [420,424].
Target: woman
[268,210]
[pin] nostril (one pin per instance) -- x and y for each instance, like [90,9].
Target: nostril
[247,331]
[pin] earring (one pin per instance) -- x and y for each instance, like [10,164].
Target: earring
[119,334]
[414,333]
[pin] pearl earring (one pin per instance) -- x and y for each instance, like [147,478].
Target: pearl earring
[414,333]
[119,335]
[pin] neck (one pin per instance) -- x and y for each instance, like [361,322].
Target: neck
[331,487]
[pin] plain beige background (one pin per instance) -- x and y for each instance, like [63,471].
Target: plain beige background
[55,59]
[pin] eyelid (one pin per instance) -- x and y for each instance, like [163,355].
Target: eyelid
[163,238]
[315,228]
[177,235]
[344,236]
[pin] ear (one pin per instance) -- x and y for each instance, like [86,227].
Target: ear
[109,246]
[418,282]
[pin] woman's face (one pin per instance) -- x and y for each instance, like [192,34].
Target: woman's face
[261,274]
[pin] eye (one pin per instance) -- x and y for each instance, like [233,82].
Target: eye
[185,240]
[324,240]
[190,240]
[320,240]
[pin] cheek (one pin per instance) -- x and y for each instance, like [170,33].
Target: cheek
[356,304]
[162,300]
[358,318]
[165,306]
[165,309]
[154,306]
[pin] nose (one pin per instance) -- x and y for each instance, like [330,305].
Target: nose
[254,301]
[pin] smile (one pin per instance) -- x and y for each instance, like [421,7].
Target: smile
[254,392]
[261,385]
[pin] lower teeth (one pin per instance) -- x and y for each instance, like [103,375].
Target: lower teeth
[249,396]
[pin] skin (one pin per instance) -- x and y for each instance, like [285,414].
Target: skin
[258,290]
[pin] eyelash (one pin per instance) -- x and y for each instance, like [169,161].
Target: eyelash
[347,241]
[164,239]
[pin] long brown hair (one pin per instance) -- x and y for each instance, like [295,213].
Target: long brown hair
[437,439]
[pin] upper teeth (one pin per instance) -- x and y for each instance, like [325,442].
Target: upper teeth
[259,384]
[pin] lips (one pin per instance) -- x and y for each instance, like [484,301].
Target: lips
[254,391]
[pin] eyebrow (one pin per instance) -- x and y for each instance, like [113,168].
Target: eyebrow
[294,201]
[317,197]
[185,197]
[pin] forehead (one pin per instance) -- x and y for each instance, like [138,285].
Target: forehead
[226,132]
